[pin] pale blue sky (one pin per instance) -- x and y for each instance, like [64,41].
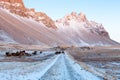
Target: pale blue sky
[106,12]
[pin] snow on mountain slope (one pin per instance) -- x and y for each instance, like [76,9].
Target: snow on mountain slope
[5,37]
[17,7]
[77,27]
[26,26]
[24,30]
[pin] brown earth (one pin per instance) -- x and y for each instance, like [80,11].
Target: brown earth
[96,53]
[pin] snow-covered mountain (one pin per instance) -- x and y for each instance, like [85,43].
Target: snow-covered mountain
[25,26]
[76,21]
[81,30]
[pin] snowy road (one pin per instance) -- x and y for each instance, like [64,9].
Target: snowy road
[58,67]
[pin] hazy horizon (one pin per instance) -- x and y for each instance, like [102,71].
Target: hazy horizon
[105,12]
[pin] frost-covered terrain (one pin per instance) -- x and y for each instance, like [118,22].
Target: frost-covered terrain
[110,67]
[100,60]
[57,67]
[47,65]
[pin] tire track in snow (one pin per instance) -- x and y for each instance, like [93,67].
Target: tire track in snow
[65,69]
[72,72]
[61,67]
[27,70]
[58,71]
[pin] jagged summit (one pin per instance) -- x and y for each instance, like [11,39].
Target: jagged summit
[20,2]
[17,7]
[76,21]
[13,1]
[73,16]
[83,16]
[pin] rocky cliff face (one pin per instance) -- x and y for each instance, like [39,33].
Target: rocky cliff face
[13,1]
[17,7]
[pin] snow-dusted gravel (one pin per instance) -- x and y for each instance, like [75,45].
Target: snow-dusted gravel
[66,69]
[58,67]
[58,71]
[77,72]
[25,70]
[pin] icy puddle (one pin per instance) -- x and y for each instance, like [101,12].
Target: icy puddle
[58,67]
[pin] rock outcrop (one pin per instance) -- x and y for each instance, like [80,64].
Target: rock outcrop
[17,7]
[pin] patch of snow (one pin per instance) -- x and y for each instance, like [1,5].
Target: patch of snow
[16,4]
[83,43]
[100,43]
[25,70]
[41,18]
[59,67]
[31,13]
[5,37]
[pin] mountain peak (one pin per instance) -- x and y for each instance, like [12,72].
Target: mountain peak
[73,16]
[14,1]
[17,7]
[83,16]
[81,21]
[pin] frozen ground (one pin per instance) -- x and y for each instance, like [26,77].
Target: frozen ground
[55,67]
[103,61]
[111,68]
